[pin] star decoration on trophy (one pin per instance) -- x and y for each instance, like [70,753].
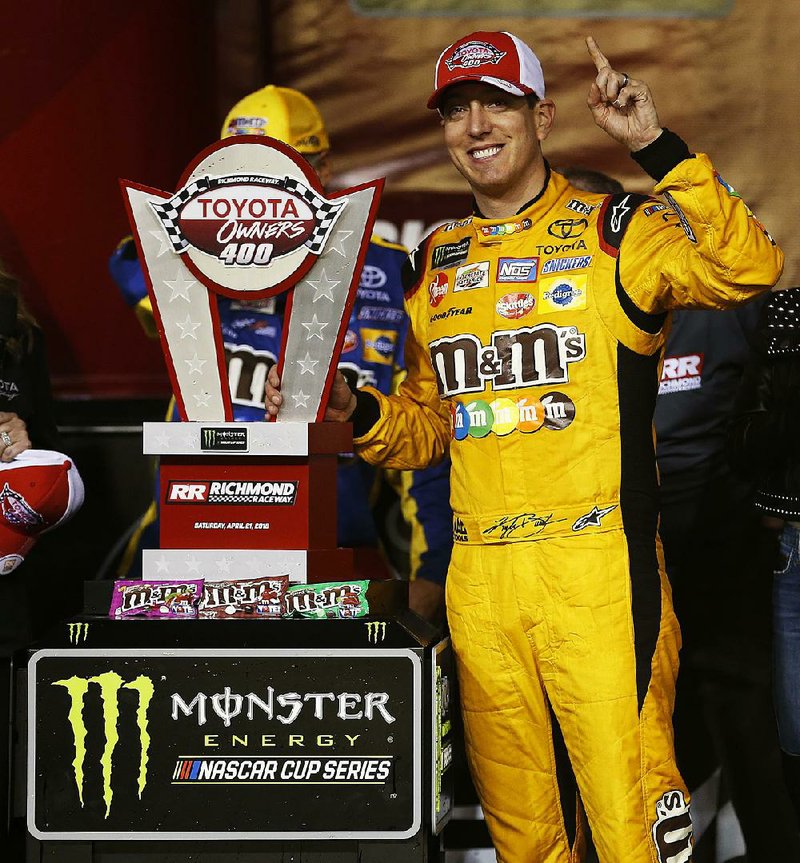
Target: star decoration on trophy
[249,221]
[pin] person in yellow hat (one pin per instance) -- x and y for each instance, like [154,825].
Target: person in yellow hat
[373,346]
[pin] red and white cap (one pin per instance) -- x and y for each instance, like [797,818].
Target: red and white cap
[39,490]
[500,59]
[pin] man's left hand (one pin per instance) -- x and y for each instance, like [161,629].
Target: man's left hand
[621,106]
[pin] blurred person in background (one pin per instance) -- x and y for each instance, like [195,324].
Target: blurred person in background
[764,443]
[40,487]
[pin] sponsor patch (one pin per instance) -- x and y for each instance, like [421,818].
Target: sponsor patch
[579,207]
[205,491]
[379,313]
[655,208]
[687,228]
[450,313]
[562,293]
[672,829]
[450,255]
[566,229]
[223,439]
[372,277]
[563,265]
[472,276]
[680,374]
[247,126]
[560,248]
[379,346]
[554,411]
[350,341]
[515,306]
[451,226]
[459,530]
[727,186]
[521,357]
[437,289]
[517,269]
[374,295]
[506,229]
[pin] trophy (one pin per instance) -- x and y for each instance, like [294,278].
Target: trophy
[248,221]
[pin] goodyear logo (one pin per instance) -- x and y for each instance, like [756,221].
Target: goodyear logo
[109,685]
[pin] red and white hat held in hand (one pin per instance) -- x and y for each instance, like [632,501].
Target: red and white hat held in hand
[39,490]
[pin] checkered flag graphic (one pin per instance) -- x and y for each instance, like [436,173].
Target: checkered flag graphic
[168,211]
[326,212]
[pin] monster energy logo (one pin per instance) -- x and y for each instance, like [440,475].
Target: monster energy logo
[376,631]
[109,683]
[78,632]
[224,439]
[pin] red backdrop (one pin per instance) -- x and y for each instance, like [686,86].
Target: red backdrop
[94,91]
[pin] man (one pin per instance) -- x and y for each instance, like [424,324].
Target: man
[252,330]
[537,330]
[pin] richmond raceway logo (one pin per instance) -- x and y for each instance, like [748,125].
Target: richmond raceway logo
[525,357]
[109,685]
[247,220]
[472,54]
[232,492]
[672,830]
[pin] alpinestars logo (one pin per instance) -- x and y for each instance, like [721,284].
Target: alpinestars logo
[617,213]
[592,518]
[672,830]
[109,684]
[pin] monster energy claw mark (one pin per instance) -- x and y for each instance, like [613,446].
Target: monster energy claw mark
[110,683]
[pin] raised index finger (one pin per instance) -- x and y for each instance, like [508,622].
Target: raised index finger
[600,59]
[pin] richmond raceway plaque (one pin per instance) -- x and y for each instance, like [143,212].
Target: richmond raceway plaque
[208,744]
[249,220]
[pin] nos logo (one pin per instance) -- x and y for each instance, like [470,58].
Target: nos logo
[109,685]
[524,357]
[672,830]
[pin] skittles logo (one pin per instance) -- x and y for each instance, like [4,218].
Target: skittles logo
[477,419]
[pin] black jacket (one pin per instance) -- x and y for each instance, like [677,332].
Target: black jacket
[764,437]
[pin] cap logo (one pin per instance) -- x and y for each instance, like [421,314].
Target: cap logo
[17,511]
[472,54]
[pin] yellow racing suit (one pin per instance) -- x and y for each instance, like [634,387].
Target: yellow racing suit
[534,355]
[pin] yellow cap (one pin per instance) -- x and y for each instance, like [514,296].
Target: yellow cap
[281,113]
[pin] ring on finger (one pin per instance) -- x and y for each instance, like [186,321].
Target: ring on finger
[6,438]
[625,80]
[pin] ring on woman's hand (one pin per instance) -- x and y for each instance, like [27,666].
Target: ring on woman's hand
[6,438]
[625,80]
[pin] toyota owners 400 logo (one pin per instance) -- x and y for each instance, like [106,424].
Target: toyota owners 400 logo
[244,220]
[472,54]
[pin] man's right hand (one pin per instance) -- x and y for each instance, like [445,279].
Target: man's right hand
[341,403]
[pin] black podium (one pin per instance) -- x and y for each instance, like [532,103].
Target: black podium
[235,740]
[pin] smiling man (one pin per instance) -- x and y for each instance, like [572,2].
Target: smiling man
[538,327]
